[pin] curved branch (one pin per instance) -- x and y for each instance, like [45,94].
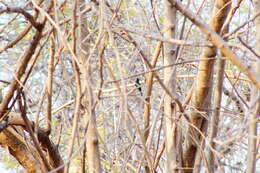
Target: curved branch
[20,10]
[21,69]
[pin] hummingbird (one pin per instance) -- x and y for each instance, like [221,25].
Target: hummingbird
[138,85]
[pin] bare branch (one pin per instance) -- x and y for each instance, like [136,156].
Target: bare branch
[20,10]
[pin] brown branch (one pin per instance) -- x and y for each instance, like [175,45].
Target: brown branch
[21,69]
[165,39]
[148,93]
[31,131]
[149,85]
[54,157]
[17,147]
[217,41]
[49,85]
[242,25]
[248,47]
[20,10]
[25,58]
[78,98]
[51,149]
[230,16]
[125,35]
[17,39]
[22,34]
[160,68]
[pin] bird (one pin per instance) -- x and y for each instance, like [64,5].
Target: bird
[138,85]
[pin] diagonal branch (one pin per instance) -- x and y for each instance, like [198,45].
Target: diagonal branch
[21,69]
[20,10]
[217,41]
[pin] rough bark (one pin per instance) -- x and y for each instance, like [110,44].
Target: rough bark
[172,142]
[23,152]
[202,89]
[14,141]
[17,148]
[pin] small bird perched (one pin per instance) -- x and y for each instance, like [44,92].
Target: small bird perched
[138,85]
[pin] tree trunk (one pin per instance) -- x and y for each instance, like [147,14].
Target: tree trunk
[148,94]
[217,99]
[255,102]
[17,147]
[217,41]
[173,140]
[202,89]
[92,150]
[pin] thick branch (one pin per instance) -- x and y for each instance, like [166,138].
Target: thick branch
[53,153]
[19,10]
[21,69]
[17,147]
[217,41]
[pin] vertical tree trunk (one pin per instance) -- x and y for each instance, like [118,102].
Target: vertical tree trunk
[173,141]
[92,150]
[255,101]
[212,131]
[217,99]
[202,89]
[148,93]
